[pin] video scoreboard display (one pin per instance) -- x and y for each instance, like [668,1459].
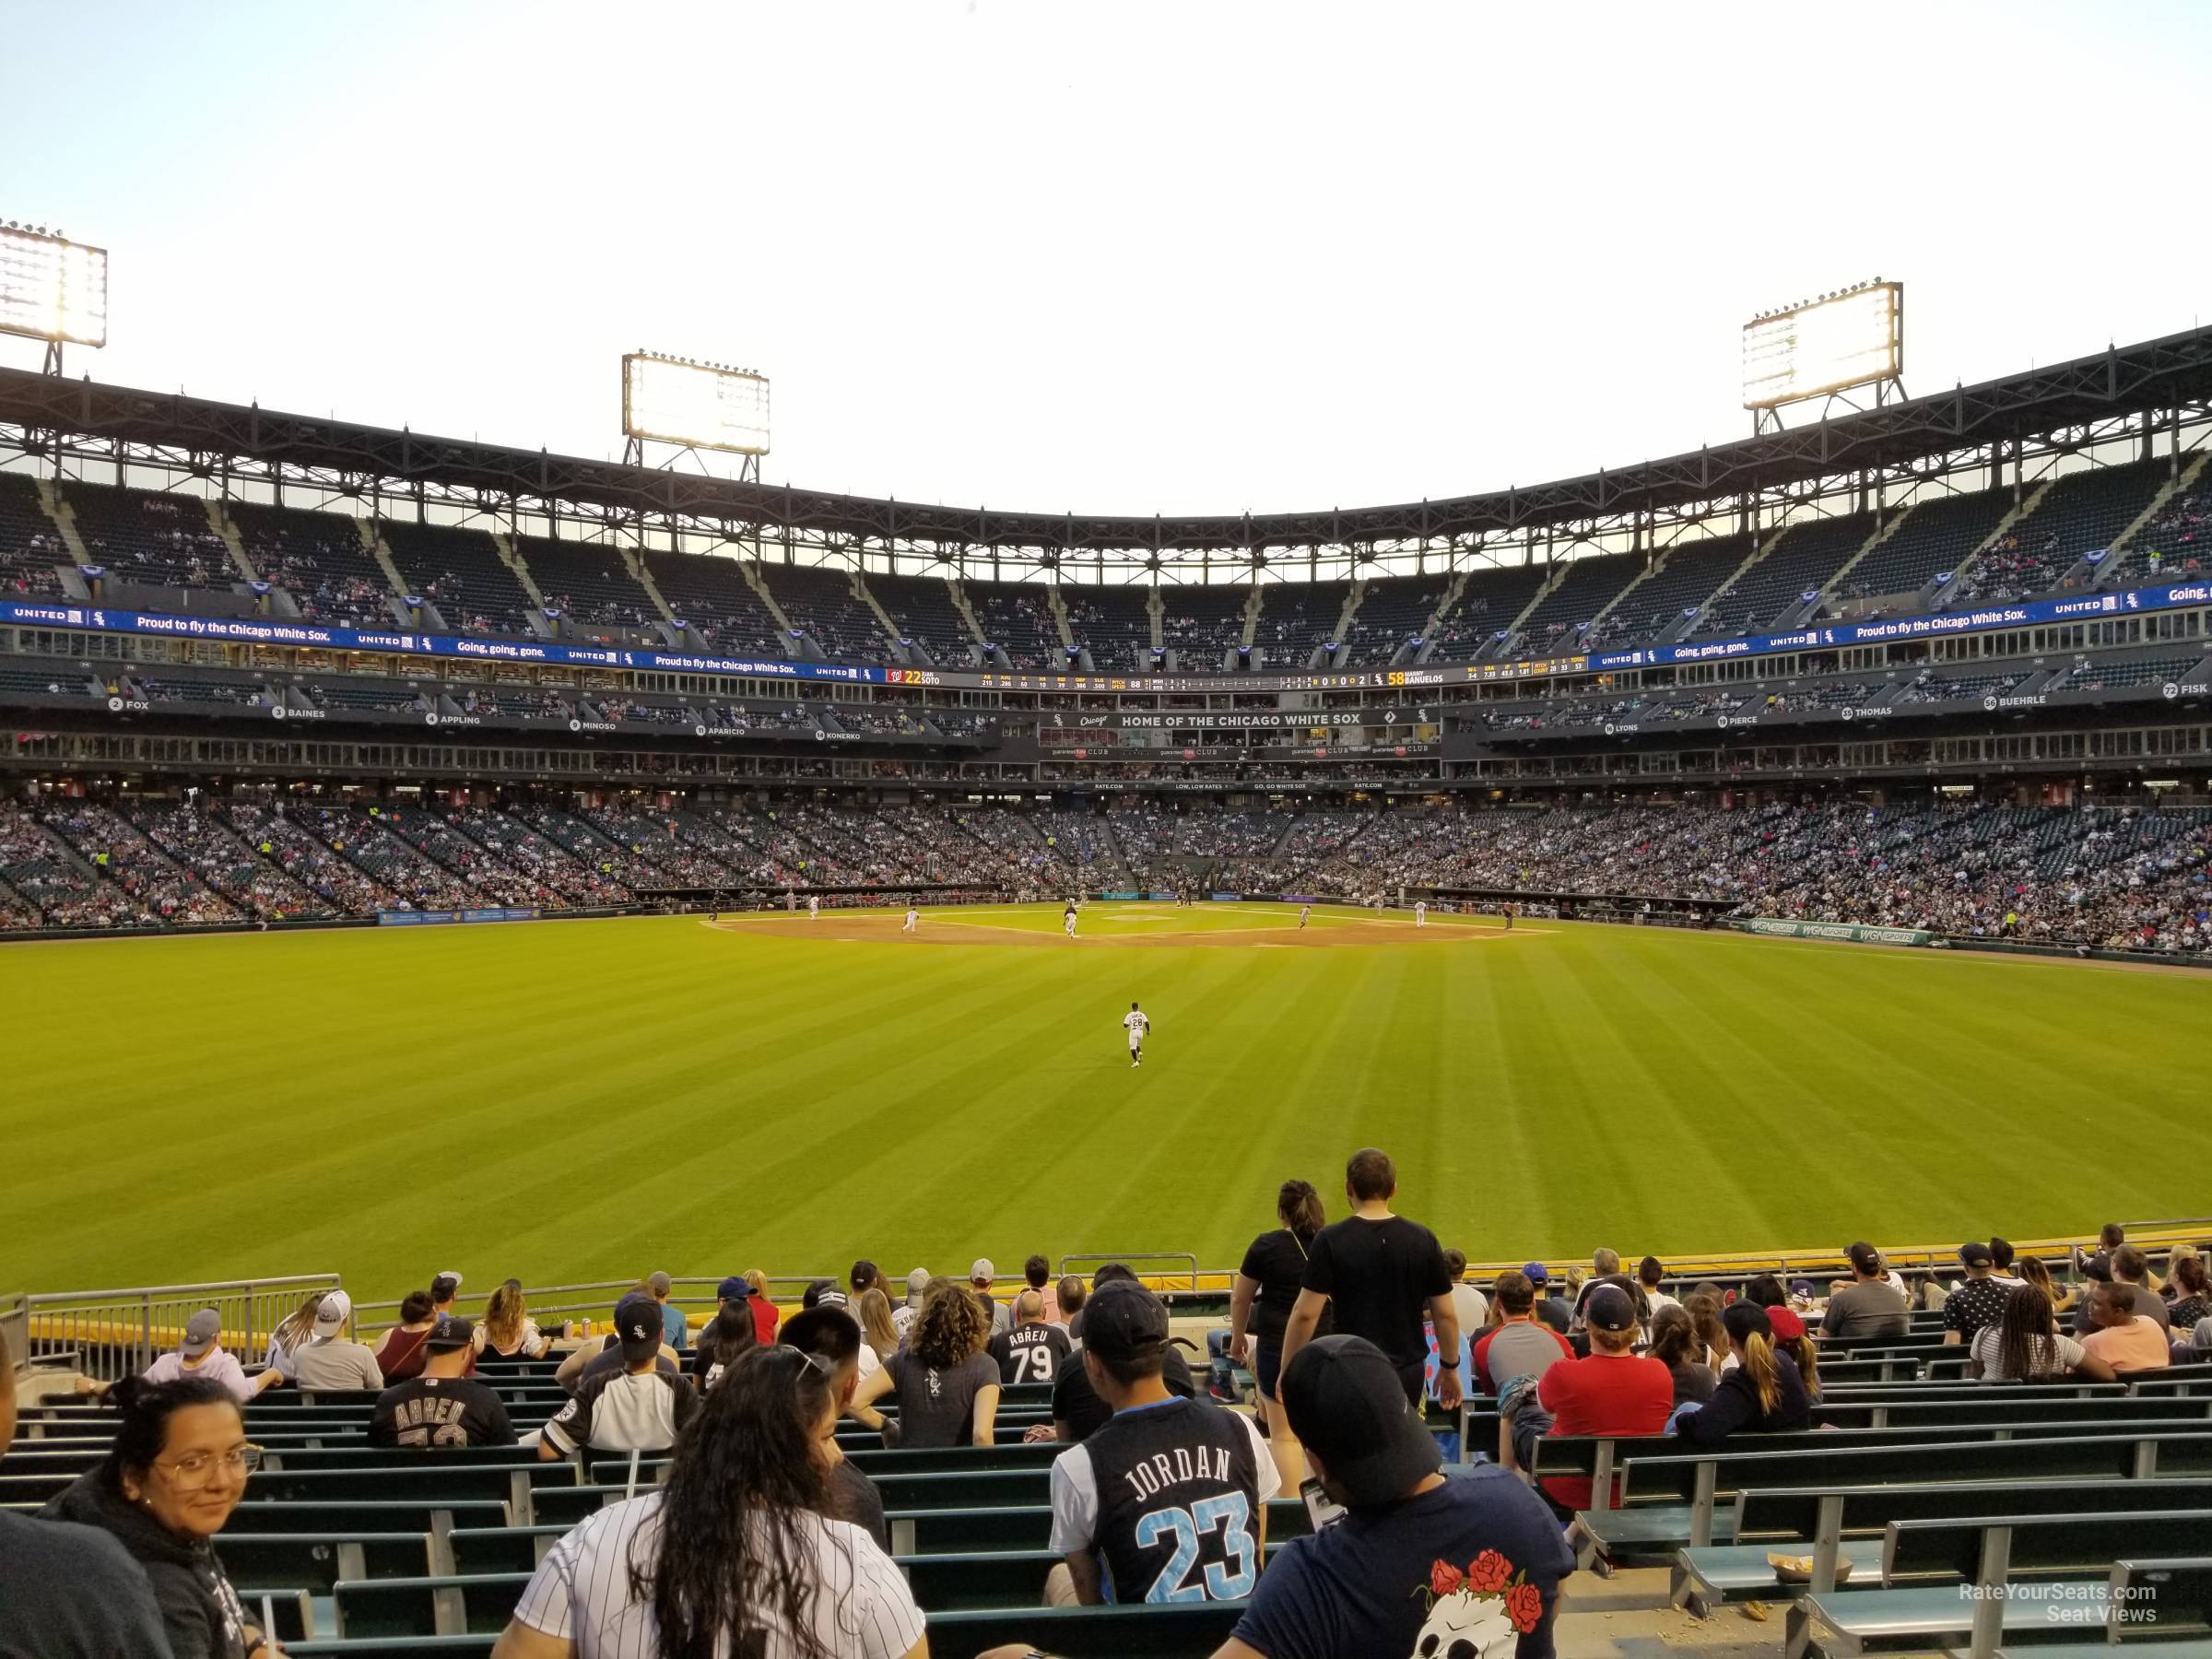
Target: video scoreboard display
[1241,735]
[1855,337]
[1374,679]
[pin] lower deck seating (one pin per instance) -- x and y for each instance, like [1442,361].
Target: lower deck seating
[1922,1483]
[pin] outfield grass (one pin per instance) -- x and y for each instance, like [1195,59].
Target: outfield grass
[583,1101]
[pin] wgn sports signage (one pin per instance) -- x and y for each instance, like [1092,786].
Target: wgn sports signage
[1832,930]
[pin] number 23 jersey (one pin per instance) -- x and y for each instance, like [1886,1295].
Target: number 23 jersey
[1170,1494]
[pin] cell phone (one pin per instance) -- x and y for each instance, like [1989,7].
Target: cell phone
[1321,1509]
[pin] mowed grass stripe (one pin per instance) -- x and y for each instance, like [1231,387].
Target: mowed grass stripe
[589,1101]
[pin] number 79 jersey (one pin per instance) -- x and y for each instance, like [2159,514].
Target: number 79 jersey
[1169,1495]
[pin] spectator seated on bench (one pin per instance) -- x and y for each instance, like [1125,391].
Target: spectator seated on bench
[1423,1558]
[169,1486]
[636,1405]
[75,1587]
[736,1545]
[443,1405]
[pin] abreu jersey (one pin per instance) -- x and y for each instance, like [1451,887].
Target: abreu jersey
[1173,1504]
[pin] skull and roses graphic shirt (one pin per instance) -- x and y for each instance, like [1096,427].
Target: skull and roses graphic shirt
[1469,1569]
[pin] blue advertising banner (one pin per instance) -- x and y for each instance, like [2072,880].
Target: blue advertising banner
[2083,608]
[262,632]
[441,918]
[2078,607]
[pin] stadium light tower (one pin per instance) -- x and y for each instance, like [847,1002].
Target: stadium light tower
[694,405]
[1827,349]
[51,289]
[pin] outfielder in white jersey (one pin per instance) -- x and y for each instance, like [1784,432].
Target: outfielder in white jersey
[1138,1024]
[913,917]
[1068,919]
[1420,912]
[814,906]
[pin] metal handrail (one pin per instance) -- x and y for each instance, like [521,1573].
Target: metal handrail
[111,1334]
[15,1329]
[1131,1258]
[596,1301]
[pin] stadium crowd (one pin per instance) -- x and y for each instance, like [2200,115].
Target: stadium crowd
[2119,878]
[1339,1335]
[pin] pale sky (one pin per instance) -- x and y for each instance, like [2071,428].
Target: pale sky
[1124,257]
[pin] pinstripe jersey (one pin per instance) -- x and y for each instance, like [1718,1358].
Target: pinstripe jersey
[582,1591]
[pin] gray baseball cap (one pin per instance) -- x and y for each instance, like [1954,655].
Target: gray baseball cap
[201,1331]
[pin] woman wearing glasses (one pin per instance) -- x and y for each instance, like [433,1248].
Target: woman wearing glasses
[733,1555]
[177,1470]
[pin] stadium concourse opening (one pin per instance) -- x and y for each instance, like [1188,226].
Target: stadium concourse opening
[1142,924]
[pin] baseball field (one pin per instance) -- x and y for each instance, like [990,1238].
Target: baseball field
[577,1101]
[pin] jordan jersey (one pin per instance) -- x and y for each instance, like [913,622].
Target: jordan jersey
[1174,1504]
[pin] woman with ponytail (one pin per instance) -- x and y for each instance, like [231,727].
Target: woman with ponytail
[1259,1308]
[296,1331]
[732,1555]
[1762,1394]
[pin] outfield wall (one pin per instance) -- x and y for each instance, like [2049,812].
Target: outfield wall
[1777,928]
[1774,927]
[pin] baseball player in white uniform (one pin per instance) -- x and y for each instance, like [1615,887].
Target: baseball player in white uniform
[1420,912]
[814,906]
[913,918]
[1305,915]
[1137,1024]
[1068,919]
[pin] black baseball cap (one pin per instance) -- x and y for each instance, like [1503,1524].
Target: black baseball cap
[1975,1256]
[1343,1400]
[638,1323]
[449,1333]
[1610,1310]
[1125,1321]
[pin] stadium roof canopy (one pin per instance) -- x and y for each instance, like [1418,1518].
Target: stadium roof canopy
[2124,392]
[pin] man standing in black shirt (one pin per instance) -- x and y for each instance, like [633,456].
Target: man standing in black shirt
[1169,1497]
[443,1405]
[1380,1273]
